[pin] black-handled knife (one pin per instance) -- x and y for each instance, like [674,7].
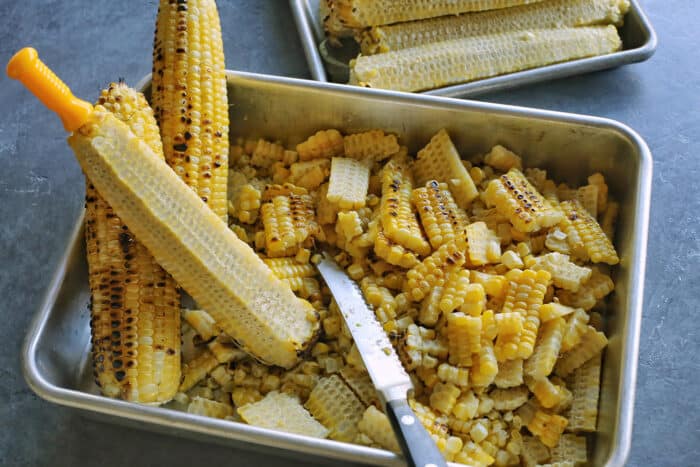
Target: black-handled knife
[383,366]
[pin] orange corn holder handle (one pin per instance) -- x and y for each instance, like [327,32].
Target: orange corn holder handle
[27,67]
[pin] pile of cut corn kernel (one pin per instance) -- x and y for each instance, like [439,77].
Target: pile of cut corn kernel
[490,280]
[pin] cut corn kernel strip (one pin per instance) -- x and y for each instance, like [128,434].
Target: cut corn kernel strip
[209,408]
[442,220]
[290,271]
[348,183]
[324,144]
[581,228]
[439,160]
[189,97]
[376,425]
[547,427]
[462,60]
[280,411]
[289,221]
[592,343]
[398,220]
[514,197]
[546,352]
[484,245]
[373,145]
[585,387]
[565,274]
[393,253]
[525,295]
[550,14]
[431,272]
[595,289]
[464,338]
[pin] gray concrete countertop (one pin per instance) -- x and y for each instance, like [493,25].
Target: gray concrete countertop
[92,43]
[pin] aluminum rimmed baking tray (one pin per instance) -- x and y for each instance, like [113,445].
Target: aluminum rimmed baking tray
[55,354]
[328,64]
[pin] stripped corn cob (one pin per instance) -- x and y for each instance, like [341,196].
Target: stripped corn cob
[582,229]
[463,337]
[432,270]
[442,220]
[290,271]
[376,425]
[514,197]
[363,13]
[280,411]
[545,15]
[533,452]
[334,404]
[348,183]
[398,220]
[324,144]
[440,161]
[461,60]
[373,144]
[289,221]
[546,352]
[547,427]
[525,295]
[585,387]
[510,374]
[592,343]
[484,245]
[135,306]
[204,256]
[393,253]
[189,97]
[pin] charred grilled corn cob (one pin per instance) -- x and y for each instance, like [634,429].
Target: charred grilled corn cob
[189,96]
[221,272]
[468,59]
[544,15]
[135,317]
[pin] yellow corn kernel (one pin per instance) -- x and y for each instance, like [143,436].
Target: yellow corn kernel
[440,216]
[453,375]
[473,454]
[290,270]
[515,197]
[502,159]
[393,253]
[565,274]
[429,419]
[348,183]
[398,220]
[484,245]
[512,260]
[593,290]
[246,203]
[547,393]
[202,322]
[324,144]
[547,427]
[309,174]
[474,300]
[439,160]
[463,337]
[489,330]
[430,307]
[494,285]
[553,310]
[432,270]
[585,235]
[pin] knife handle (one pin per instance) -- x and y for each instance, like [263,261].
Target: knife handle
[417,445]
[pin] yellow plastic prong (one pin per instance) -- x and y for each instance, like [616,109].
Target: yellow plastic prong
[26,67]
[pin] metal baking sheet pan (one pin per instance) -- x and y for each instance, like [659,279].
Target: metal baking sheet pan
[56,350]
[330,64]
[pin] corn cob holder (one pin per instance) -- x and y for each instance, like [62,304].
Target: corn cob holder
[185,236]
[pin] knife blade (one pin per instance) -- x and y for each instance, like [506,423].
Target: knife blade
[383,365]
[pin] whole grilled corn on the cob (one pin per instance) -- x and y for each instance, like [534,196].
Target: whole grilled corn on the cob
[189,96]
[186,237]
[461,60]
[549,14]
[135,306]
